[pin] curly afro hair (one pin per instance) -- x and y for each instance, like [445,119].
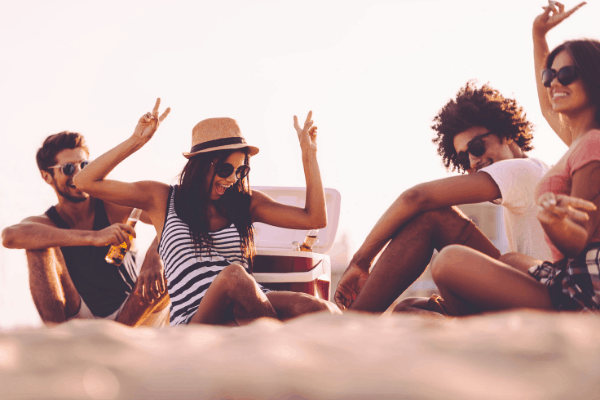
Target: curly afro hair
[479,107]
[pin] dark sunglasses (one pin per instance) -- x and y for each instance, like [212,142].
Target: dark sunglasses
[225,170]
[565,75]
[69,168]
[476,147]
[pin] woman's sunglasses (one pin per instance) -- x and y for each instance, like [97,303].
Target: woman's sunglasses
[225,170]
[69,168]
[565,75]
[476,147]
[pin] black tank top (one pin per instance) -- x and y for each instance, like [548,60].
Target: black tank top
[103,286]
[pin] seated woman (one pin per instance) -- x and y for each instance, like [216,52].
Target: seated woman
[205,223]
[568,196]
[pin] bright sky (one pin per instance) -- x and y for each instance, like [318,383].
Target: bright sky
[374,73]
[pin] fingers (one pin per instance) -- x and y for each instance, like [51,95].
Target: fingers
[308,119]
[164,115]
[155,109]
[340,300]
[296,124]
[577,215]
[572,10]
[127,228]
[576,202]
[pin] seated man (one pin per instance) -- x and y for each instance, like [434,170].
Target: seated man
[479,132]
[66,246]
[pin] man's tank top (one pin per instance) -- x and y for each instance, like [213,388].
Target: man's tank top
[103,286]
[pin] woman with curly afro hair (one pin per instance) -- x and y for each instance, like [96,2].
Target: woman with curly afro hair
[568,83]
[479,132]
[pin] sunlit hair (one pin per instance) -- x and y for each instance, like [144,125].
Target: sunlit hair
[484,107]
[192,199]
[54,144]
[585,54]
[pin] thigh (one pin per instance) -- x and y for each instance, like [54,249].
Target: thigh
[486,283]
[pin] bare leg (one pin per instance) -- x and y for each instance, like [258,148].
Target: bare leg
[52,289]
[417,306]
[233,287]
[290,305]
[410,250]
[471,282]
[520,261]
[138,308]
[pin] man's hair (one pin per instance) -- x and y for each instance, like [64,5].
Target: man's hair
[484,107]
[585,54]
[54,144]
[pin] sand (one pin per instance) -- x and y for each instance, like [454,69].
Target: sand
[518,355]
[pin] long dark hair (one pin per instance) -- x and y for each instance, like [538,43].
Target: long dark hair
[585,54]
[192,200]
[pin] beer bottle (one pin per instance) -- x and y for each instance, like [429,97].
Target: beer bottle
[117,253]
[309,240]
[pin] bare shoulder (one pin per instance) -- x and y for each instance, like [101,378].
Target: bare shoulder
[257,198]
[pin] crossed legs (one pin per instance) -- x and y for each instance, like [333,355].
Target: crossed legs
[471,282]
[57,299]
[409,252]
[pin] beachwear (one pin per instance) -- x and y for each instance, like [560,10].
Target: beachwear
[560,178]
[574,283]
[103,286]
[189,273]
[517,179]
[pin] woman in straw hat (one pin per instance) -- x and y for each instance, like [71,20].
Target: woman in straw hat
[205,222]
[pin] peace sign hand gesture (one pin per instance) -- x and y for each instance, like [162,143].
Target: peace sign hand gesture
[554,208]
[553,15]
[307,135]
[149,122]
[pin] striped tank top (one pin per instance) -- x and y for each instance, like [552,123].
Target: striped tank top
[189,273]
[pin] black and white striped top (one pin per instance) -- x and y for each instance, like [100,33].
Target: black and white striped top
[189,273]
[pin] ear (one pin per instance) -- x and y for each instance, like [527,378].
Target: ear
[47,176]
[508,140]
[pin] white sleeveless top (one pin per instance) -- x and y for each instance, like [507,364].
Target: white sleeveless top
[189,273]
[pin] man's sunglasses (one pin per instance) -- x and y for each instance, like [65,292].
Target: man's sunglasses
[566,75]
[225,170]
[69,168]
[476,147]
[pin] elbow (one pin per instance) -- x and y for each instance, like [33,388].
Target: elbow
[414,196]
[8,238]
[80,182]
[321,223]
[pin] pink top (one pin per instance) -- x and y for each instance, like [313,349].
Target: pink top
[559,178]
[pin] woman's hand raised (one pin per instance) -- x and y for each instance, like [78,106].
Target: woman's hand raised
[553,15]
[149,122]
[554,208]
[307,135]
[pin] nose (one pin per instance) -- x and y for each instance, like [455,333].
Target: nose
[473,161]
[232,178]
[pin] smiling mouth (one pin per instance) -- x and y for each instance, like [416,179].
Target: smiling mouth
[220,189]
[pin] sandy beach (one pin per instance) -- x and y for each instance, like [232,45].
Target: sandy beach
[518,355]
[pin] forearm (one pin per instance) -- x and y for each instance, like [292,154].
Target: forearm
[540,52]
[398,214]
[90,179]
[31,236]
[569,237]
[152,259]
[315,194]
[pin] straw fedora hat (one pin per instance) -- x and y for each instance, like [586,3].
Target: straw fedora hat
[217,134]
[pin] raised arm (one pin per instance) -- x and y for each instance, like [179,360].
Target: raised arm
[145,195]
[39,232]
[314,214]
[552,16]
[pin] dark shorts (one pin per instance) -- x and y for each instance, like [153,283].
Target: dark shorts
[574,283]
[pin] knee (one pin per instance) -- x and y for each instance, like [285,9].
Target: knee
[431,220]
[234,275]
[446,262]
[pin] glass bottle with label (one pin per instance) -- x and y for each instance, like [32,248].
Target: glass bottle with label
[117,253]
[309,240]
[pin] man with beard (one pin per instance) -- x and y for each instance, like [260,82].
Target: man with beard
[66,246]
